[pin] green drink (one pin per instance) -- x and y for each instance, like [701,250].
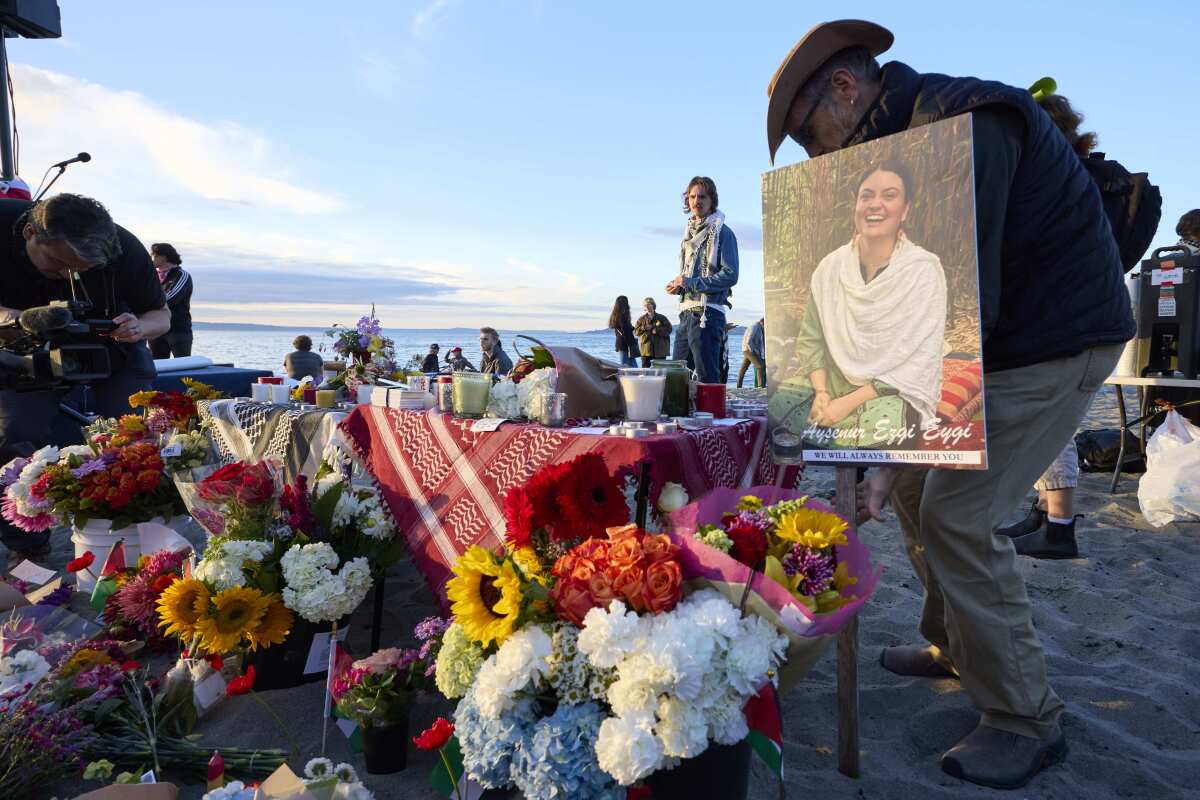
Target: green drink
[675,398]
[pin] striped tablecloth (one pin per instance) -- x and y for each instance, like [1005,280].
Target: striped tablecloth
[248,430]
[445,484]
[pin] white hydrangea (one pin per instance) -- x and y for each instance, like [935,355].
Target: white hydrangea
[627,751]
[535,386]
[521,663]
[317,593]
[503,401]
[224,563]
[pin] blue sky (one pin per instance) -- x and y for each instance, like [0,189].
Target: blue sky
[515,163]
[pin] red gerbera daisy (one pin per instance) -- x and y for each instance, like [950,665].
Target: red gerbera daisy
[518,514]
[590,499]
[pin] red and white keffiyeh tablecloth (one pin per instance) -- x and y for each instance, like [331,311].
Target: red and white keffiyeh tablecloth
[445,485]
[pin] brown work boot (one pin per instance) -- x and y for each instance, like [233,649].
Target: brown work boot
[916,661]
[1003,760]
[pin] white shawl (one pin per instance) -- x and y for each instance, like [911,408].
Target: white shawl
[890,329]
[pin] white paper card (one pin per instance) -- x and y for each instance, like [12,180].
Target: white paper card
[587,431]
[153,537]
[171,450]
[31,572]
[148,777]
[487,425]
[1160,276]
[208,692]
[318,654]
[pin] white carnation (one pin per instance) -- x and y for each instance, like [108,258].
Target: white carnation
[610,635]
[521,663]
[627,751]
[681,728]
[756,651]
[726,721]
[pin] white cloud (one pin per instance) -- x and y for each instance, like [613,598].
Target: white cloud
[425,21]
[134,141]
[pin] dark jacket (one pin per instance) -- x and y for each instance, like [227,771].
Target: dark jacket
[626,343]
[430,363]
[1051,283]
[498,363]
[178,288]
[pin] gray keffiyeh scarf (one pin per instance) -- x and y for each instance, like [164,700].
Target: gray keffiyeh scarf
[701,237]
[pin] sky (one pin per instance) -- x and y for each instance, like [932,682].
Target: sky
[515,163]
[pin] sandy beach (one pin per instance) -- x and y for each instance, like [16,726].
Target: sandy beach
[1121,627]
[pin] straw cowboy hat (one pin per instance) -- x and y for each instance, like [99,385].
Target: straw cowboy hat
[807,57]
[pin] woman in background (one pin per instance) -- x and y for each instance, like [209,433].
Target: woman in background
[177,285]
[303,361]
[621,324]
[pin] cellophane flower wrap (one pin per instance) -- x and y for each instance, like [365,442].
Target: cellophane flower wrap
[811,551]
[581,661]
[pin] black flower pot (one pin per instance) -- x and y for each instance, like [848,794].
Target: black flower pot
[721,771]
[281,666]
[385,747]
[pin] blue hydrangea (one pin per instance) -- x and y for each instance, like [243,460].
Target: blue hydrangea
[559,760]
[489,745]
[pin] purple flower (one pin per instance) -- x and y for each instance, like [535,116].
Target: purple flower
[430,627]
[815,567]
[88,467]
[12,471]
[60,596]
[363,341]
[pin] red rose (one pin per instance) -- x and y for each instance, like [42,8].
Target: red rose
[601,589]
[659,548]
[625,552]
[241,684]
[572,601]
[629,586]
[436,735]
[219,486]
[663,587]
[83,562]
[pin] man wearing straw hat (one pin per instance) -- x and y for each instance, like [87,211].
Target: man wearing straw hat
[1054,315]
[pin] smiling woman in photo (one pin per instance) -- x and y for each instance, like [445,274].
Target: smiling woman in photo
[873,328]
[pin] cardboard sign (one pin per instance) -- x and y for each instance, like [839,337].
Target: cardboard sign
[874,343]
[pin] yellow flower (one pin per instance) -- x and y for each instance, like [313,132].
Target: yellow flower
[842,577]
[82,661]
[275,625]
[750,503]
[485,595]
[811,528]
[180,607]
[526,558]
[141,399]
[234,613]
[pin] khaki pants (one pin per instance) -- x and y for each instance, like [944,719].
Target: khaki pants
[976,608]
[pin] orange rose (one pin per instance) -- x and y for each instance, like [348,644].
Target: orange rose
[622,532]
[659,548]
[564,565]
[600,586]
[625,552]
[663,587]
[629,585]
[583,570]
[572,601]
[595,550]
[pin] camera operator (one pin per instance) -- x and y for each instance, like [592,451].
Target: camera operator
[68,247]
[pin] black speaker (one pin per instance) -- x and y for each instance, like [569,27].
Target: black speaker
[33,19]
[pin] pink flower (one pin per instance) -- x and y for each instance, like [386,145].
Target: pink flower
[37,524]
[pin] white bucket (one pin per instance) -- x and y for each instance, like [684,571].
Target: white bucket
[99,537]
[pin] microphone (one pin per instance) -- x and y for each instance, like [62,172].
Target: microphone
[81,158]
[44,319]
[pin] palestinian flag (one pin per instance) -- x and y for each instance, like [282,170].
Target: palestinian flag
[106,584]
[766,728]
[339,662]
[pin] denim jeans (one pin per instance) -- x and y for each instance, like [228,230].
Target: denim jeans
[701,347]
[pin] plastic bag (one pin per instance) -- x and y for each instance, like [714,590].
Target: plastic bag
[1170,489]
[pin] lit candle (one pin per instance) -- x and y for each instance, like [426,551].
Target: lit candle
[471,391]
[643,392]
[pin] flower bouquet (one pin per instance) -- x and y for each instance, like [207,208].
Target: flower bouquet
[131,612]
[372,355]
[787,558]
[165,411]
[377,692]
[581,664]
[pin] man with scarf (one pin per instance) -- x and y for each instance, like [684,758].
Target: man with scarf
[708,271]
[1054,316]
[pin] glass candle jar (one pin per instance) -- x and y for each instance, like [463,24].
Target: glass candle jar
[471,390]
[554,410]
[676,395]
[710,397]
[445,394]
[643,391]
[326,398]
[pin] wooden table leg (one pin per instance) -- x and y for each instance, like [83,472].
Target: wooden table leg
[847,649]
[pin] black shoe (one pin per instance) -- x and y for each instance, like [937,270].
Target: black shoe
[1002,760]
[1056,540]
[1033,522]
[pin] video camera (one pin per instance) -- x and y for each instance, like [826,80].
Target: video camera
[54,346]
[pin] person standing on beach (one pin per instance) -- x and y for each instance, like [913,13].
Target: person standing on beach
[1040,226]
[303,361]
[495,361]
[654,333]
[621,325]
[177,284]
[754,352]
[457,361]
[708,271]
[431,362]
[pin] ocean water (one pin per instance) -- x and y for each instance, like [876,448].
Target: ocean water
[260,348]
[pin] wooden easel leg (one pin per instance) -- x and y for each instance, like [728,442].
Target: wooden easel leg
[847,649]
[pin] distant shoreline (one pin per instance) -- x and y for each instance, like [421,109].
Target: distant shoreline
[250,326]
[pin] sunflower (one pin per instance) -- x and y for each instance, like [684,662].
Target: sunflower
[485,595]
[234,613]
[180,607]
[815,529]
[83,660]
[526,558]
[275,625]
